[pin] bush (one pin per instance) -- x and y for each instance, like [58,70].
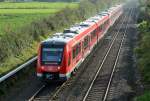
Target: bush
[143,50]
[145,97]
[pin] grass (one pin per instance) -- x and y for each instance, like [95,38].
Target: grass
[15,22]
[13,16]
[28,11]
[36,5]
[144,97]
[12,61]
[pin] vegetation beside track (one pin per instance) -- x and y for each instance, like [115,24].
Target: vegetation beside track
[19,44]
[143,49]
[18,22]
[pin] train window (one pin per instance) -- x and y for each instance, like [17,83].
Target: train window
[93,34]
[105,24]
[51,55]
[107,21]
[100,27]
[86,42]
[79,47]
[76,50]
[74,53]
[69,60]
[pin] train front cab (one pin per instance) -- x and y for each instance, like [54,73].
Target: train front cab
[52,63]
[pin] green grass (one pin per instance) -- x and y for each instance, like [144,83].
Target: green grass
[13,16]
[12,61]
[15,22]
[27,11]
[144,97]
[36,5]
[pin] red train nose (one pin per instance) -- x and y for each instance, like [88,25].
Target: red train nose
[50,68]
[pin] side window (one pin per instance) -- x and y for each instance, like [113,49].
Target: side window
[73,53]
[93,34]
[106,23]
[76,50]
[86,42]
[69,60]
[100,27]
[79,48]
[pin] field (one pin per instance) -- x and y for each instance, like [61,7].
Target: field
[13,16]
[36,5]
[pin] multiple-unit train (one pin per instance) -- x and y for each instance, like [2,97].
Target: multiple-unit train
[61,54]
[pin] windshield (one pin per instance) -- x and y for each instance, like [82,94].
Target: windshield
[52,55]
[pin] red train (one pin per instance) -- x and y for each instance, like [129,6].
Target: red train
[60,55]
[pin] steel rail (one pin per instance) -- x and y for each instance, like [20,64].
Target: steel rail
[37,92]
[115,65]
[41,89]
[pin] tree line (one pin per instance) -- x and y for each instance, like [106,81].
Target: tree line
[144,40]
[142,50]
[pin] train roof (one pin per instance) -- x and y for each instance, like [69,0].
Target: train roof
[58,40]
[96,18]
[69,34]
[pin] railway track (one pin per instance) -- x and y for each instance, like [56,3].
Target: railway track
[113,90]
[101,84]
[99,88]
[45,92]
